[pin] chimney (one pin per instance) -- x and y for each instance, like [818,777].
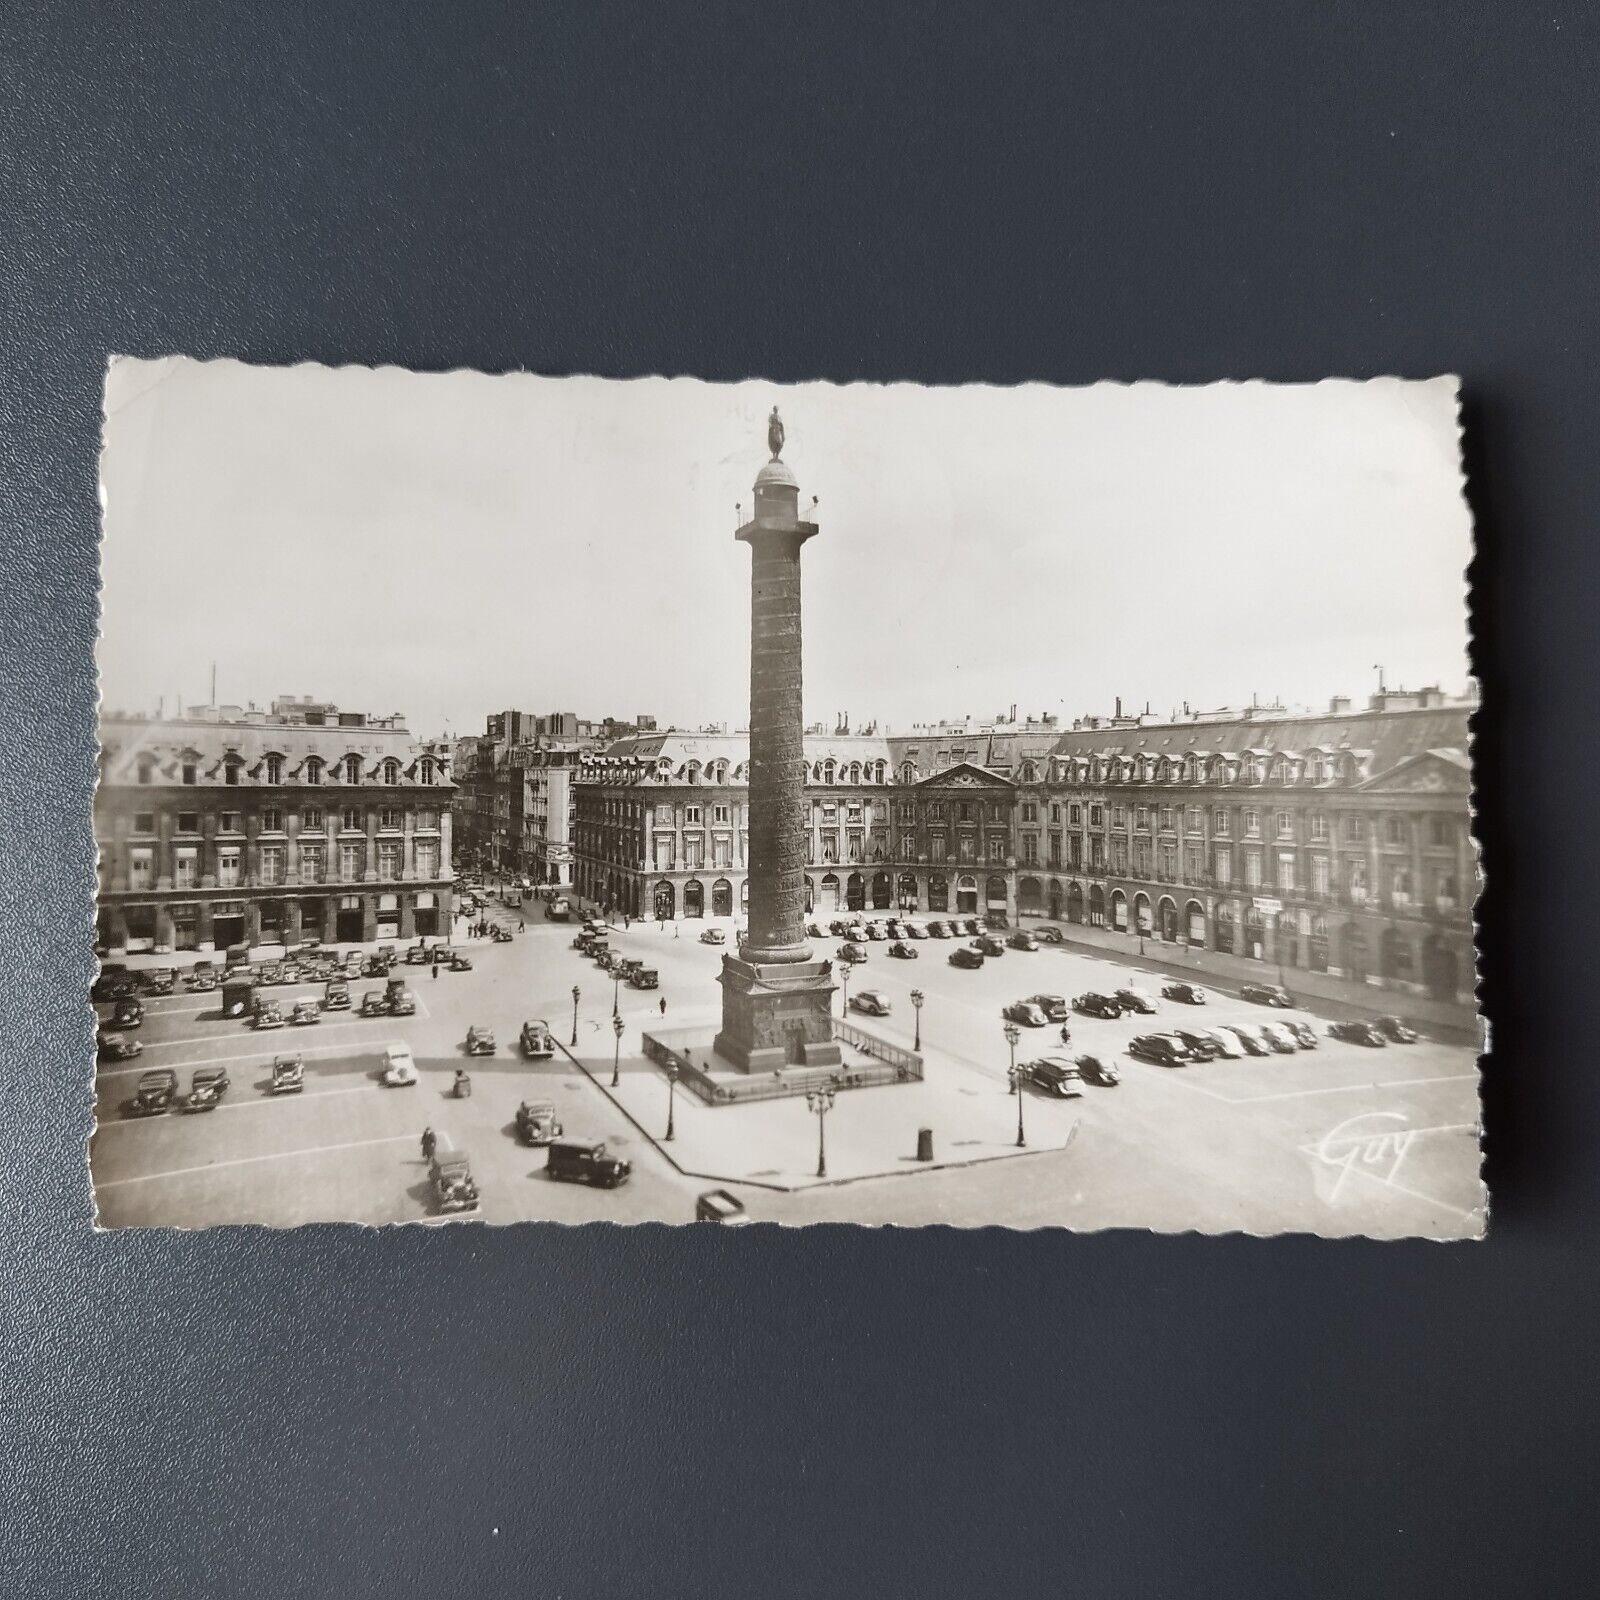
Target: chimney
[1119,705]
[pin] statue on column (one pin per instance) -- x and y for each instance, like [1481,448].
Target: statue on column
[775,433]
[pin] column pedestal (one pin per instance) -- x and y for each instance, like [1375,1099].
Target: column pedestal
[777,1015]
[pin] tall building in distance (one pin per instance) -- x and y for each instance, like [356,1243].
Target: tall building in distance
[230,825]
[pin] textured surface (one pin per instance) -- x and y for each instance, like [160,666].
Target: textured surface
[1141,189]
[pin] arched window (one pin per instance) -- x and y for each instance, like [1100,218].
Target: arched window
[827,771]
[425,771]
[274,769]
[878,771]
[908,772]
[231,768]
[313,769]
[352,769]
[147,769]
[855,772]
[391,771]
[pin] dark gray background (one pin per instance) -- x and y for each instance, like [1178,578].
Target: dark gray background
[1126,190]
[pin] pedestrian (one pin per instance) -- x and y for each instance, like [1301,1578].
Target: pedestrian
[663,1005]
[627,921]
[520,923]
[436,971]
[430,1143]
[674,930]
[1066,1034]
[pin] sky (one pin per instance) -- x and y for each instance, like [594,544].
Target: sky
[446,545]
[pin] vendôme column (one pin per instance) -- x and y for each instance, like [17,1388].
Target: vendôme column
[776,1001]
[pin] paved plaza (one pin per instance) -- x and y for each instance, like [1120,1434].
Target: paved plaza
[1342,1139]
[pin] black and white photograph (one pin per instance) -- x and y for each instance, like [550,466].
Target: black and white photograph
[561,799]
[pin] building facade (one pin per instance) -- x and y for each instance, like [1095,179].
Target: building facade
[1338,844]
[236,826]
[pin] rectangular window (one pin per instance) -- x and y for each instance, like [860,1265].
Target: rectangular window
[1252,824]
[691,816]
[1252,869]
[228,867]
[1075,849]
[1119,855]
[352,861]
[1194,863]
[1166,819]
[830,811]
[1395,830]
[1286,870]
[1354,831]
[141,870]
[1222,868]
[1285,825]
[1319,875]
[852,812]
[1074,814]
[190,774]
[350,819]
[186,865]
[1319,826]
[1097,853]
[1055,849]
[1055,811]
[391,818]
[311,817]
[1119,817]
[1440,832]
[937,846]
[188,822]
[719,815]
[389,858]
[1194,822]
[664,855]
[694,854]
[425,852]
[272,863]
[144,822]
[1030,849]
[1167,863]
[1097,816]
[1141,816]
[967,849]
[312,861]
[228,822]
[1141,858]
[1221,823]
[722,851]
[271,820]
[1030,812]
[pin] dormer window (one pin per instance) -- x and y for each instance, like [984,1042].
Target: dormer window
[352,769]
[273,768]
[231,769]
[147,769]
[425,771]
[391,771]
[827,771]
[313,770]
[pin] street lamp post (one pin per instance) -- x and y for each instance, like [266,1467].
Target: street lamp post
[617,1026]
[575,993]
[844,991]
[1016,1075]
[917,997]
[616,990]
[820,1101]
[672,1094]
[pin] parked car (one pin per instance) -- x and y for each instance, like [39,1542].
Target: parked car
[1094,1070]
[630,965]
[1022,941]
[480,1040]
[1191,994]
[717,1205]
[1134,999]
[1253,1043]
[373,1004]
[154,1093]
[1161,1049]
[1395,1030]
[399,1069]
[1201,1045]
[814,930]
[938,929]
[535,1040]
[459,961]
[876,931]
[1304,1034]
[871,1002]
[1280,1038]
[271,973]
[974,926]
[1227,1043]
[402,1003]
[336,997]
[838,928]
[269,1014]
[987,946]
[645,978]
[587,1161]
[857,931]
[1025,1012]
[374,967]
[1050,936]
[1358,1033]
[1053,1006]
[1265,994]
[117,1046]
[305,1011]
[417,956]
[1054,1075]
[288,1075]
[454,1188]
[904,951]
[966,957]
[713,936]
[915,930]
[499,935]
[158,981]
[127,1013]
[206,1089]
[202,972]
[1097,1005]
[851,953]
[537,1123]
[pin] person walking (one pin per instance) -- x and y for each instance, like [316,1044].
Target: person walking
[663,1005]
[436,970]
[430,1143]
[520,923]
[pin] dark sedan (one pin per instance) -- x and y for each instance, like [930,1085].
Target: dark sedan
[984,945]
[1097,1005]
[1395,1030]
[1161,1049]
[1054,1075]
[1265,994]
[965,958]
[903,950]
[1357,1033]
[1201,1046]
[1190,994]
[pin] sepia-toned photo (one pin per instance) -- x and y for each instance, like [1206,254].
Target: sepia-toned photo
[566,799]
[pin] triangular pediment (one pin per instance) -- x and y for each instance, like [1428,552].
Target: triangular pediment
[965,775]
[1428,772]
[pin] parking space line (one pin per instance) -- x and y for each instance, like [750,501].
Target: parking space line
[1350,1088]
[249,1055]
[240,1104]
[288,1030]
[246,1161]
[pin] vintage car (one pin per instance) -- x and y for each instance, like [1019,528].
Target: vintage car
[974,925]
[202,983]
[966,957]
[645,978]
[459,961]
[480,1040]
[374,967]
[915,930]
[239,997]
[876,932]
[1053,1006]
[536,1122]
[113,982]
[288,1075]
[269,1014]
[1022,941]
[1395,1030]
[1093,1070]
[1054,1075]
[1280,1038]
[939,929]
[630,965]
[453,1186]
[609,961]
[206,1089]
[402,1002]
[202,969]
[373,1004]
[336,997]
[1201,1045]
[1135,1000]
[399,1069]
[1049,936]
[586,1161]
[499,935]
[987,946]
[127,1013]
[870,1002]
[814,930]
[535,1040]
[1265,994]
[1358,1033]
[1190,994]
[418,955]
[158,981]
[1226,1041]
[903,951]
[583,940]
[154,1093]
[713,936]
[1097,1005]
[117,1046]
[717,1205]
[851,953]
[1161,1049]
[305,1012]
[1250,1037]
[1025,1012]
[271,972]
